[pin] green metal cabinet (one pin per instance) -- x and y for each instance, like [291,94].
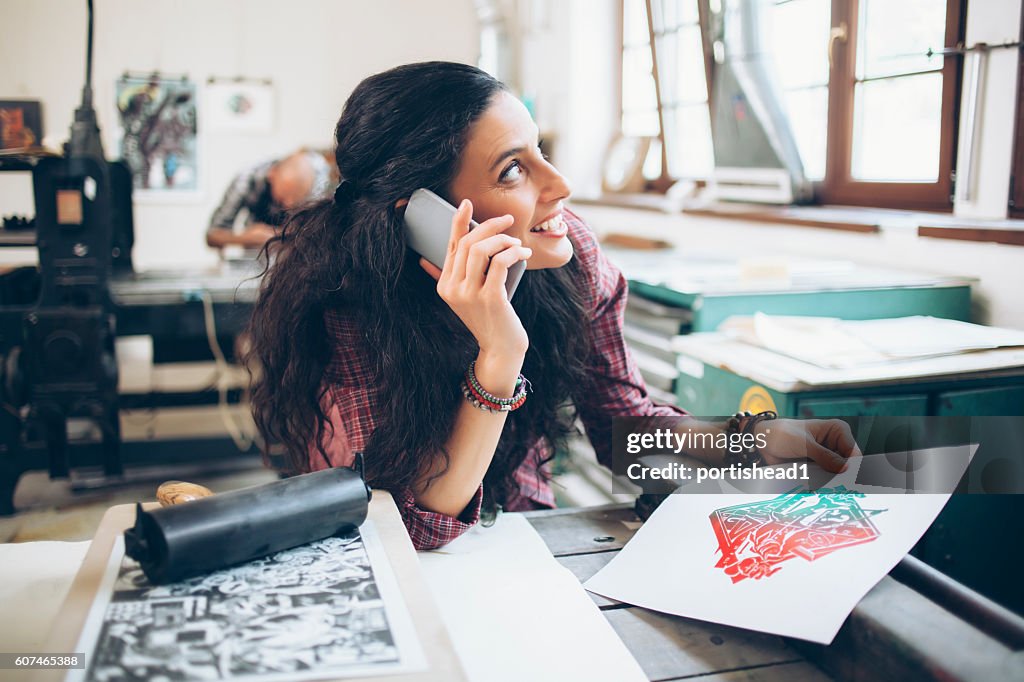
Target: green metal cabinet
[950,300]
[708,390]
[909,405]
[995,401]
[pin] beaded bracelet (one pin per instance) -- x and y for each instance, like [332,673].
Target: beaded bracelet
[479,390]
[507,405]
[488,406]
[476,394]
[515,401]
[744,423]
[484,404]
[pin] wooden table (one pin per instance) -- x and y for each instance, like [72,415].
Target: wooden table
[894,633]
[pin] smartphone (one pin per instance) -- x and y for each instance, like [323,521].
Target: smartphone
[428,227]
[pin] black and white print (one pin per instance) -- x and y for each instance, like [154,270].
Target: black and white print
[303,613]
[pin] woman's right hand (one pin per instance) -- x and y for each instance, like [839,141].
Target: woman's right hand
[472,282]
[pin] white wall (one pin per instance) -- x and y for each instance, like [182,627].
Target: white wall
[592,101]
[315,51]
[569,67]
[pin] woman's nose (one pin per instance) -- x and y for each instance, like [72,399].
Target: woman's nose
[556,187]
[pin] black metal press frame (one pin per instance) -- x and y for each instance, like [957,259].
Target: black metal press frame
[59,322]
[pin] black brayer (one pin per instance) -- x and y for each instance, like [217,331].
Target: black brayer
[210,533]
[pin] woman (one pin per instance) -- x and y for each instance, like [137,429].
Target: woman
[361,350]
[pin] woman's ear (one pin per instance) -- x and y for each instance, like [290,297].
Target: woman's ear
[400,207]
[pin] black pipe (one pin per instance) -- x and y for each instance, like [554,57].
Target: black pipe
[87,90]
[980,611]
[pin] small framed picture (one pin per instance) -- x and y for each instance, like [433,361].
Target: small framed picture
[21,124]
[240,106]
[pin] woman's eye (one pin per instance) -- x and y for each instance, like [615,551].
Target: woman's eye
[511,173]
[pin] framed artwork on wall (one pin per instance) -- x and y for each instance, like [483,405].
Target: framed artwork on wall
[21,124]
[239,105]
[159,134]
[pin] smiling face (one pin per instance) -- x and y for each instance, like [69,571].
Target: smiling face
[503,172]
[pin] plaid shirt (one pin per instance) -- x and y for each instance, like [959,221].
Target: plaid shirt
[619,391]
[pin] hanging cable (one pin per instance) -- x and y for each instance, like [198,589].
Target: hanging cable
[243,440]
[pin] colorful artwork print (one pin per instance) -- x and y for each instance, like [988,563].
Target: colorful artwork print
[755,538]
[158,132]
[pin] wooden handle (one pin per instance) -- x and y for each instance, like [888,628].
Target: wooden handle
[180,492]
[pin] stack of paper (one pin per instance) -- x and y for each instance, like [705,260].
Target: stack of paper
[834,343]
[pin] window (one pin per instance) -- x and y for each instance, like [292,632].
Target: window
[796,33]
[870,96]
[892,103]
[664,91]
[639,96]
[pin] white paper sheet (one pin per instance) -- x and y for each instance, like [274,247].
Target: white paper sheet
[789,565]
[34,579]
[514,613]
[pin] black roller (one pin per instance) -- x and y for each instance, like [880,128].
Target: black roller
[204,535]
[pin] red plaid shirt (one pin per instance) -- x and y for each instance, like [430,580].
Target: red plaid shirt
[619,391]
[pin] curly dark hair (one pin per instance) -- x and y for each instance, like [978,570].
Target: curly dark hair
[400,130]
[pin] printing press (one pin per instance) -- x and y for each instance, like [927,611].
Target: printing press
[59,321]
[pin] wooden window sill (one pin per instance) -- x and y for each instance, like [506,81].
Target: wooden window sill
[827,217]
[843,218]
[998,231]
[649,201]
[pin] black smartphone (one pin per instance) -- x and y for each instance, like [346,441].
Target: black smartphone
[428,226]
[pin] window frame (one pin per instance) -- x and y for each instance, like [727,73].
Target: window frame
[839,186]
[1015,200]
[664,181]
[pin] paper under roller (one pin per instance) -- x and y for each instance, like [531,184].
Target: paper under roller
[207,534]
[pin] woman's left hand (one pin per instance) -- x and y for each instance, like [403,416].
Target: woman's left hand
[829,442]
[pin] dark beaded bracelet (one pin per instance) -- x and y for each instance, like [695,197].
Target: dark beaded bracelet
[520,390]
[743,423]
[484,400]
[482,403]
